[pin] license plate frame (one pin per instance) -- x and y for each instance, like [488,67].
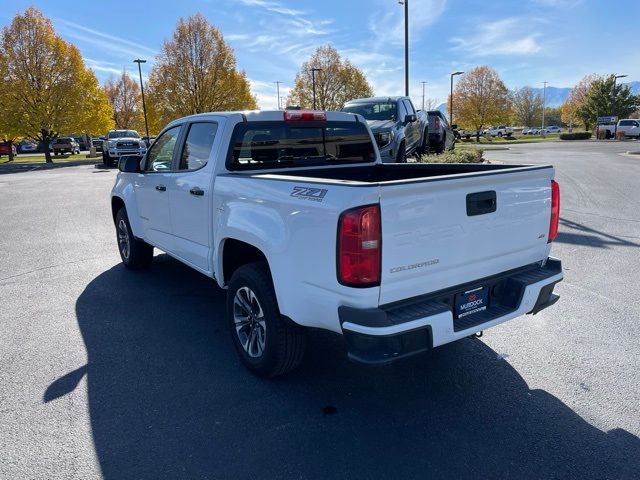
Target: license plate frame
[470,302]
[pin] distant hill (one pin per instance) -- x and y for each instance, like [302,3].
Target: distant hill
[557,95]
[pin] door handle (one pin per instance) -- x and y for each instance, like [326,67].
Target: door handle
[161,188]
[198,192]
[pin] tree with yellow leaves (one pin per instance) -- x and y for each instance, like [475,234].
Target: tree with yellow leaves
[572,107]
[125,99]
[45,88]
[481,99]
[337,81]
[196,73]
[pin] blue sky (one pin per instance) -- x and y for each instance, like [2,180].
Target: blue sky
[526,41]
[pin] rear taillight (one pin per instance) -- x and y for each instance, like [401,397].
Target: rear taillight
[555,210]
[359,247]
[304,116]
[437,123]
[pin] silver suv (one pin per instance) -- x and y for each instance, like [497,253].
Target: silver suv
[121,142]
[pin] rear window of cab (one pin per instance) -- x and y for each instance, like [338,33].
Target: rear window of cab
[280,144]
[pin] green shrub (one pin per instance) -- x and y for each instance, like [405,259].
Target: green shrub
[470,155]
[575,136]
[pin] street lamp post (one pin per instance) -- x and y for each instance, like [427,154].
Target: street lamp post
[313,82]
[144,105]
[406,45]
[278,93]
[423,84]
[544,105]
[451,97]
[613,102]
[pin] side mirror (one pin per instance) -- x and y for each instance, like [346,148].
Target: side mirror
[454,126]
[409,118]
[130,163]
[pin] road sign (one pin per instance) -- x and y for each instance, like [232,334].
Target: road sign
[607,120]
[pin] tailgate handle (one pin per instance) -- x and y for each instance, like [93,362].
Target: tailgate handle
[481,203]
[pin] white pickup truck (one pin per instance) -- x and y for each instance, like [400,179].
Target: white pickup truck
[297,217]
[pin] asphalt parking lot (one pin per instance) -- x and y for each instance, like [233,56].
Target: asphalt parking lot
[114,374]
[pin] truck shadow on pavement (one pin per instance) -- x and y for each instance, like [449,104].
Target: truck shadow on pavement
[168,398]
[578,234]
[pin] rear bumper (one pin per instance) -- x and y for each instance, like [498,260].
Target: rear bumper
[390,332]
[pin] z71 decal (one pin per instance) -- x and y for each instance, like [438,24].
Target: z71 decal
[306,193]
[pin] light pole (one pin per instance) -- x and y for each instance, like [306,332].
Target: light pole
[544,105]
[451,97]
[278,93]
[313,81]
[423,84]
[406,45]
[282,102]
[613,102]
[144,105]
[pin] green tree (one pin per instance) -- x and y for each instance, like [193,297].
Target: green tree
[605,98]
[337,82]
[571,108]
[196,73]
[481,99]
[552,116]
[45,85]
[527,107]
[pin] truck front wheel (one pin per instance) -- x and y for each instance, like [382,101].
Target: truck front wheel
[268,345]
[401,157]
[135,254]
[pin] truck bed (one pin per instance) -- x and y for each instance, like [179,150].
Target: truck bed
[395,173]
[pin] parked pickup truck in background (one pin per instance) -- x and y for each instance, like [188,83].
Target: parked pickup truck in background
[398,128]
[499,131]
[630,127]
[440,135]
[121,142]
[63,145]
[295,215]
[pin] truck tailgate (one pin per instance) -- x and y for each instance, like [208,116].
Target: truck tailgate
[444,232]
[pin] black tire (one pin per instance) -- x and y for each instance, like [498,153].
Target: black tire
[140,254]
[401,156]
[283,343]
[500,134]
[441,145]
[423,149]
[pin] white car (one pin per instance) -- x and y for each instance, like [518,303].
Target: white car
[552,129]
[630,127]
[499,131]
[296,216]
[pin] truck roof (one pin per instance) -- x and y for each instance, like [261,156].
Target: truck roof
[268,116]
[376,99]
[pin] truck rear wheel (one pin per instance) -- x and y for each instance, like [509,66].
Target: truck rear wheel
[267,344]
[135,254]
[423,149]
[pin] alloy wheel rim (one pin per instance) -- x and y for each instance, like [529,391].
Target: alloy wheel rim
[250,324]
[123,239]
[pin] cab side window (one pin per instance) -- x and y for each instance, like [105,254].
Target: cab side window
[160,155]
[197,146]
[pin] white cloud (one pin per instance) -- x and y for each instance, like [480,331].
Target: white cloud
[267,94]
[559,3]
[389,26]
[502,37]
[116,46]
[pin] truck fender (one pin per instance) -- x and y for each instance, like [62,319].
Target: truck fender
[260,227]
[127,196]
